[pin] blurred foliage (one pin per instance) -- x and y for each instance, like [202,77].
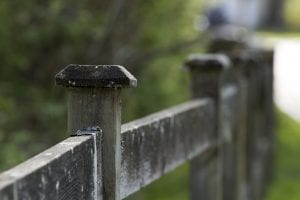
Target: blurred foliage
[291,14]
[38,38]
[163,83]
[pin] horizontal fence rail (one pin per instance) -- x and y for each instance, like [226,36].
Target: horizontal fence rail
[155,145]
[225,131]
[65,171]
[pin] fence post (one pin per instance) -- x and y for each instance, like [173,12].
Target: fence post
[268,61]
[94,100]
[206,77]
[260,142]
[233,42]
[241,62]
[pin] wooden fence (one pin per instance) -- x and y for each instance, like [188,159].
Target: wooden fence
[225,131]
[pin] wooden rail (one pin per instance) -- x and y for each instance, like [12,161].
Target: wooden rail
[155,145]
[225,131]
[65,171]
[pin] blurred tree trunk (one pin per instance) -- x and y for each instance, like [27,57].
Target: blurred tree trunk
[275,16]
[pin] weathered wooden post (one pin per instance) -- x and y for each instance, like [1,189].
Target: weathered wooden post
[94,100]
[241,62]
[268,61]
[234,43]
[206,77]
[230,130]
[260,137]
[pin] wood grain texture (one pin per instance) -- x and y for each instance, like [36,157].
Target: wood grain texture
[155,145]
[65,171]
[101,107]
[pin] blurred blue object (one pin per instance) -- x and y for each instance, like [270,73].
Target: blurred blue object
[216,16]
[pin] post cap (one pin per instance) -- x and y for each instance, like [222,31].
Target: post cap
[102,76]
[228,38]
[263,54]
[208,62]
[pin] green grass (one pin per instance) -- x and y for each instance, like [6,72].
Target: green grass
[173,186]
[279,34]
[286,182]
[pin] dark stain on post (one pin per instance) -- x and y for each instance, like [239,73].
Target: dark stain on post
[75,75]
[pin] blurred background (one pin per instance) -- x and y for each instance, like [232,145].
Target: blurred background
[151,38]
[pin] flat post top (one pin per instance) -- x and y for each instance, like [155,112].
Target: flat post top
[208,62]
[95,76]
